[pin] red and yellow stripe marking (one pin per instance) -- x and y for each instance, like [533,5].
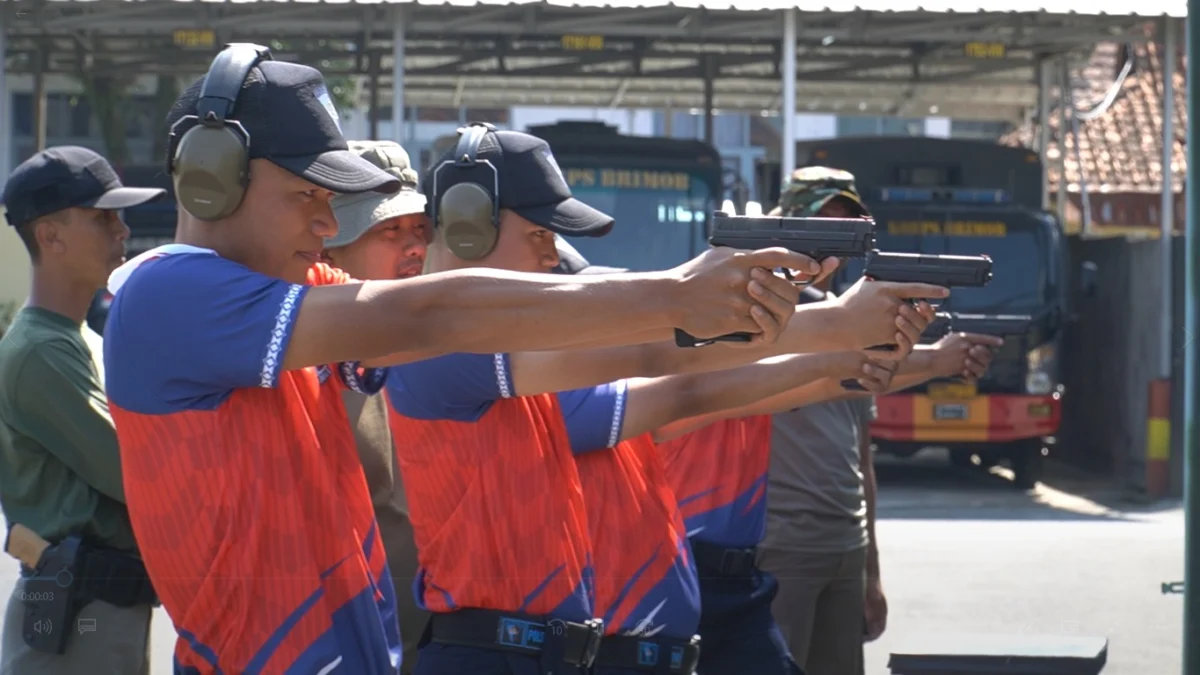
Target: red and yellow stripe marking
[1158,438]
[988,419]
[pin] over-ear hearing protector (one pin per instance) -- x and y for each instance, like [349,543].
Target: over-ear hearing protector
[208,154]
[467,213]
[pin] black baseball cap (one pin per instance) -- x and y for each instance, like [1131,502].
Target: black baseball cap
[530,184]
[65,177]
[288,114]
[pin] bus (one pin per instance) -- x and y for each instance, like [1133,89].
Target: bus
[966,197]
[661,191]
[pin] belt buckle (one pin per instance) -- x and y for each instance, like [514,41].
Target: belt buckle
[591,648]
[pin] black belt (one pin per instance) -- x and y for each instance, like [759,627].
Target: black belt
[651,655]
[110,576]
[724,561]
[576,643]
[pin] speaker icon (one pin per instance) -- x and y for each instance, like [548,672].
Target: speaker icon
[43,626]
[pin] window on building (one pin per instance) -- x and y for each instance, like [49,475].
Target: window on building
[980,130]
[880,126]
[67,116]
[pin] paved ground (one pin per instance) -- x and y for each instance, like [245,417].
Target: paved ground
[963,552]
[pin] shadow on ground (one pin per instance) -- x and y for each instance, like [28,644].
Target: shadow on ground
[926,486]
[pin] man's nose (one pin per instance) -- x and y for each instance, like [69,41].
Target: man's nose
[122,230]
[324,224]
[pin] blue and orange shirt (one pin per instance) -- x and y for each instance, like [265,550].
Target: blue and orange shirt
[494,495]
[646,582]
[242,480]
[719,475]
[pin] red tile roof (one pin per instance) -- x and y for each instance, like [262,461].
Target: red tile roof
[1121,150]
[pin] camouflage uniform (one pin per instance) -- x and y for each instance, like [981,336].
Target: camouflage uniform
[812,187]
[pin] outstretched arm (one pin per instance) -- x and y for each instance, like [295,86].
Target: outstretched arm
[634,407]
[876,378]
[484,311]
[832,325]
[965,355]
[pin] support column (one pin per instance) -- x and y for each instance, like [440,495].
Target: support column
[1064,123]
[1043,141]
[1167,213]
[39,101]
[1191,589]
[710,74]
[373,67]
[787,155]
[6,123]
[398,128]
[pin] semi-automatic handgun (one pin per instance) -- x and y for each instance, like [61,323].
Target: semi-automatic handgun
[817,238]
[947,271]
[1003,326]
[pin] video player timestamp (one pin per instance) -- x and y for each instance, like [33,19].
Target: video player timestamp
[25,596]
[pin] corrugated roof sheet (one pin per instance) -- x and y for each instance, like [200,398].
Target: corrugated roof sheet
[1121,151]
[1147,8]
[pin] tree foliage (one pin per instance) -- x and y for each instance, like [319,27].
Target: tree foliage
[106,91]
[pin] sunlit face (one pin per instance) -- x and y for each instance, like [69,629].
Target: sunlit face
[280,228]
[392,249]
[520,247]
[87,244]
[838,207]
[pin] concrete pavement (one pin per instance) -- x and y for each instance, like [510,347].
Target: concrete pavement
[962,551]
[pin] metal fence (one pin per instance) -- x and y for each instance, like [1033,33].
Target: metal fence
[1110,353]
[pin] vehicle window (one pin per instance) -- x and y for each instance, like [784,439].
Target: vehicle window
[656,227]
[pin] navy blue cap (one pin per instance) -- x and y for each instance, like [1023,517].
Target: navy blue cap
[530,184]
[65,177]
[290,119]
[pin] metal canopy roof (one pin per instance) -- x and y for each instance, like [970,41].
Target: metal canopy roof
[970,60]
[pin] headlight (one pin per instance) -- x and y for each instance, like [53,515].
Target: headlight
[1039,370]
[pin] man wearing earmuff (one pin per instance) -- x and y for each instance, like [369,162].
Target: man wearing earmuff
[497,503]
[226,353]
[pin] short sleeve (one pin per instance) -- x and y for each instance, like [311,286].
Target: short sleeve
[458,387]
[186,330]
[594,416]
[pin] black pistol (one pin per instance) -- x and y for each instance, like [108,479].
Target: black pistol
[947,271]
[817,238]
[1003,326]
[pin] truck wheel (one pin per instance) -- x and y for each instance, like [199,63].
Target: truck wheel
[1028,463]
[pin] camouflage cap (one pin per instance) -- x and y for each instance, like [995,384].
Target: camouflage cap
[812,187]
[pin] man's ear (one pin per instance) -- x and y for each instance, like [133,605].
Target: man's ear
[47,231]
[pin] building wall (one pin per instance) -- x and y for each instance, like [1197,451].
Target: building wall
[14,265]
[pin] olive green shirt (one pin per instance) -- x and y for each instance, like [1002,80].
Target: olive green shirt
[60,468]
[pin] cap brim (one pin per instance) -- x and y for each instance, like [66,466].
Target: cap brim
[570,218]
[340,171]
[125,198]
